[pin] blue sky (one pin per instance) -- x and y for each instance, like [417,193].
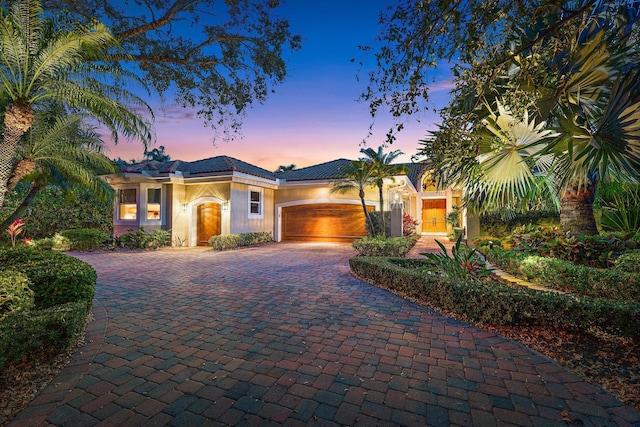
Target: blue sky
[314,116]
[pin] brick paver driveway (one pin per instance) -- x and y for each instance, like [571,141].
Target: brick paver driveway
[283,334]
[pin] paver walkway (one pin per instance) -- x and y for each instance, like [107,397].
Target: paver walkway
[284,335]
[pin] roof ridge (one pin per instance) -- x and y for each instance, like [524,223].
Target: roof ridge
[174,167]
[229,163]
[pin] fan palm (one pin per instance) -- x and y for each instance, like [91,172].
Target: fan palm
[357,176]
[43,62]
[591,106]
[60,151]
[382,168]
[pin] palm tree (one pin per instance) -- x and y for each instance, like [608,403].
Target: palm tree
[358,175]
[43,62]
[157,154]
[382,168]
[587,104]
[285,168]
[60,151]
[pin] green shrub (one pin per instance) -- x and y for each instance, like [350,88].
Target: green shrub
[15,294]
[628,263]
[44,244]
[384,246]
[232,241]
[565,276]
[56,278]
[494,224]
[530,238]
[141,239]
[53,329]
[484,243]
[497,303]
[55,209]
[595,251]
[85,239]
[464,262]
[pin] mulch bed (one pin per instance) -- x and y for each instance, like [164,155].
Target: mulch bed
[609,361]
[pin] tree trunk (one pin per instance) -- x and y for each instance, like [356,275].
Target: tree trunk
[23,168]
[366,212]
[22,207]
[576,210]
[384,226]
[18,118]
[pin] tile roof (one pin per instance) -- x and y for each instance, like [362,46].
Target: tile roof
[329,170]
[225,164]
[210,166]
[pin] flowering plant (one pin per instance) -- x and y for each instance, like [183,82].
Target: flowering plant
[15,229]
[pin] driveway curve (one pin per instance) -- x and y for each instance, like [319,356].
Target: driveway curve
[284,335]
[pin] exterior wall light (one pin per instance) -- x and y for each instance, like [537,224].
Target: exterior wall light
[225,205]
[185,207]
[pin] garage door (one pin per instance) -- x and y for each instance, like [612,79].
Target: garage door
[328,222]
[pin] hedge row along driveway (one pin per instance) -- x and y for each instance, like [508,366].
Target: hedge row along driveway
[283,333]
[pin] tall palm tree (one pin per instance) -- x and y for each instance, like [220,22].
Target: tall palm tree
[382,168]
[60,151]
[44,62]
[358,175]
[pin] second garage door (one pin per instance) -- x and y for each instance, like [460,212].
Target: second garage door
[327,222]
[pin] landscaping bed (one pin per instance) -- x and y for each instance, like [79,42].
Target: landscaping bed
[46,299]
[595,332]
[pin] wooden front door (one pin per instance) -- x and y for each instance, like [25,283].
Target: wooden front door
[209,223]
[433,214]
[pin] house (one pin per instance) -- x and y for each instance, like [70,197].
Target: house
[223,195]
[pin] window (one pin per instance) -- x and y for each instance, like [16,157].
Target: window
[255,204]
[153,203]
[127,201]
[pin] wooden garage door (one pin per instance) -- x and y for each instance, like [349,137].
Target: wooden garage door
[208,222]
[328,222]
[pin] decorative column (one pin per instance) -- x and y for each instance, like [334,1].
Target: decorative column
[396,216]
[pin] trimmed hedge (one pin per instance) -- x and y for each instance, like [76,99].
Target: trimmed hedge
[53,329]
[55,278]
[63,289]
[385,246]
[565,276]
[628,262]
[232,241]
[497,303]
[15,293]
[85,239]
[141,239]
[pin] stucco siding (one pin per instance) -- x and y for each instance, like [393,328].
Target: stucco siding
[321,195]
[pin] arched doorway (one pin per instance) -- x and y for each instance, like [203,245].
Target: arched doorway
[209,222]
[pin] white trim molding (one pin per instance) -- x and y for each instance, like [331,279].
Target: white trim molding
[192,210]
